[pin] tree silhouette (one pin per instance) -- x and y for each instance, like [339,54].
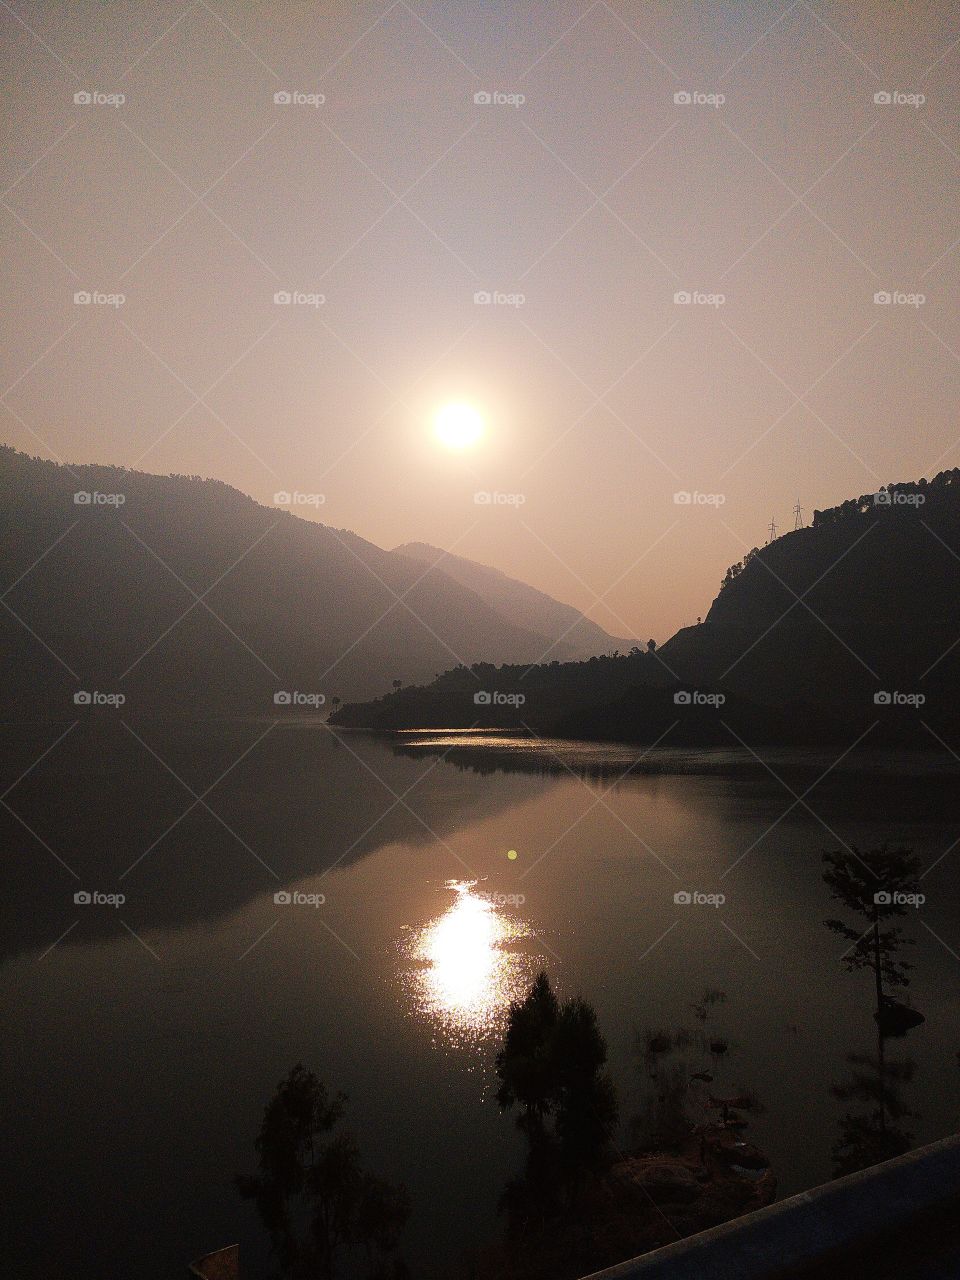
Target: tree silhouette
[524,1064]
[311,1193]
[867,1137]
[873,884]
[586,1110]
[551,1065]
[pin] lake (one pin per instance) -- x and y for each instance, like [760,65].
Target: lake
[143,1040]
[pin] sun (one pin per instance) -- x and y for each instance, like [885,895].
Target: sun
[458,426]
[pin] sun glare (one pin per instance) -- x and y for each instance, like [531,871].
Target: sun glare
[458,426]
[470,963]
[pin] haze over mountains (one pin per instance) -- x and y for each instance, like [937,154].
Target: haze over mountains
[575,636]
[185,595]
[846,627]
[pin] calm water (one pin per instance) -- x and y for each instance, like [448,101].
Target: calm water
[140,1050]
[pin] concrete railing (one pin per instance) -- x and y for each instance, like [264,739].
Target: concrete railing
[222,1264]
[906,1208]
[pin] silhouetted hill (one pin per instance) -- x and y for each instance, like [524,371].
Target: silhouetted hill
[866,600]
[191,596]
[485,695]
[850,626]
[573,635]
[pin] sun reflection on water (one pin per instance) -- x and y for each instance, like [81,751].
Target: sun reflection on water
[469,963]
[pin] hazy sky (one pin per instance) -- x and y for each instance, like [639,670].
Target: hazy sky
[794,199]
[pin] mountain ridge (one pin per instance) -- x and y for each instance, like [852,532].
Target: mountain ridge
[188,595]
[574,635]
[847,627]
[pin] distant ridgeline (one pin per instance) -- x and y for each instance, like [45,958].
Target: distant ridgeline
[848,627]
[183,596]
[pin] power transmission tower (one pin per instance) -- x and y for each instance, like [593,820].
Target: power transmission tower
[772,531]
[798,516]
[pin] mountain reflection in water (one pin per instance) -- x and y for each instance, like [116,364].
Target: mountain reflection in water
[468,963]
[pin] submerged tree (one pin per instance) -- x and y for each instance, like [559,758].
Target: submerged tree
[682,1071]
[311,1193]
[869,1136]
[877,885]
[586,1107]
[551,1066]
[525,1064]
